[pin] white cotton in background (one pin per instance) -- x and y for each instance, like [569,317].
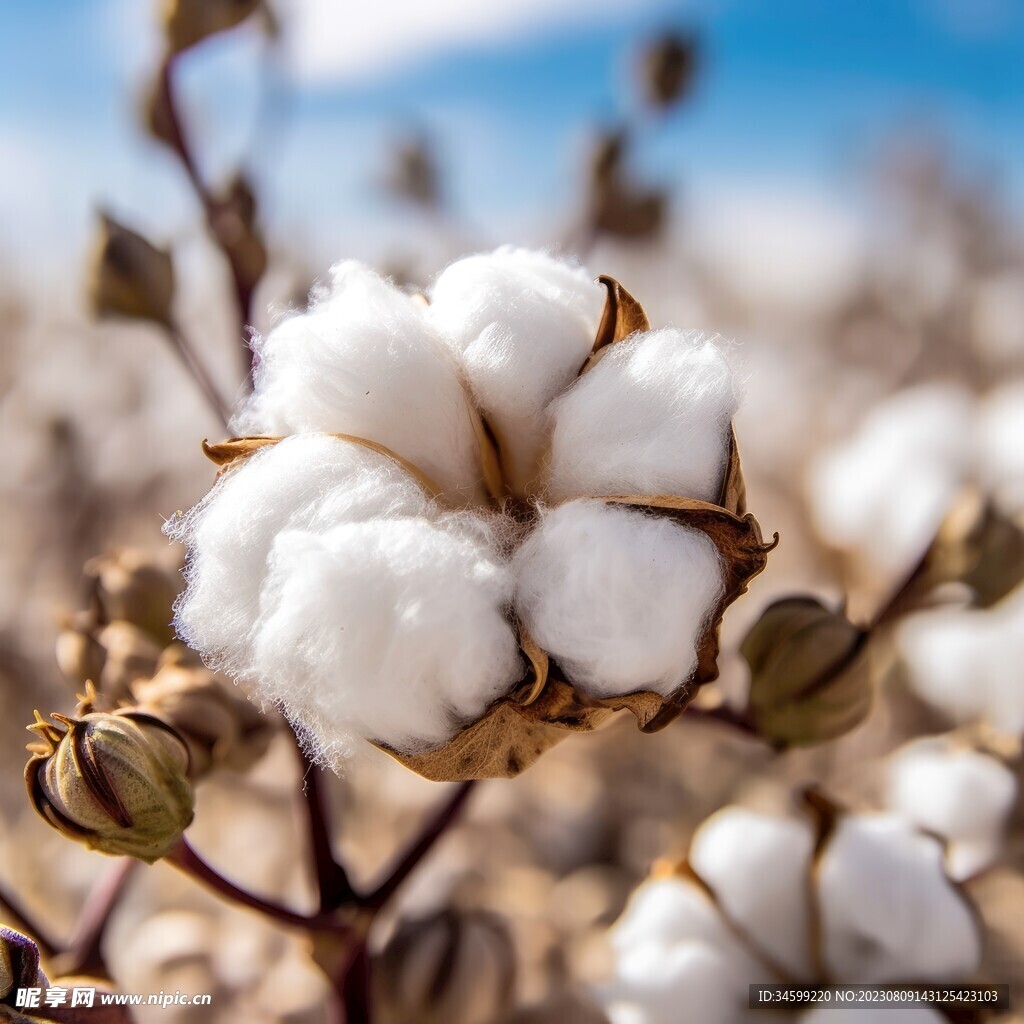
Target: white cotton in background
[734,852]
[672,949]
[967,663]
[522,324]
[651,417]
[364,360]
[322,576]
[882,493]
[1000,430]
[888,910]
[616,596]
[955,792]
[902,1014]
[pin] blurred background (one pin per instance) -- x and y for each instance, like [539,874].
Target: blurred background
[837,189]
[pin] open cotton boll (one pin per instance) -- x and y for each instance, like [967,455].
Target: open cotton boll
[617,597]
[393,630]
[321,575]
[363,360]
[967,662]
[672,948]
[733,852]
[954,792]
[888,911]
[523,323]
[882,494]
[652,417]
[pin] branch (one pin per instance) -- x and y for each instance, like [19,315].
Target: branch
[84,955]
[433,831]
[199,374]
[332,880]
[186,859]
[16,916]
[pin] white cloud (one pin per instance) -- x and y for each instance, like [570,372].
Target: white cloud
[333,41]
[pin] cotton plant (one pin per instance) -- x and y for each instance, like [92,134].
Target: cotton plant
[832,898]
[458,525]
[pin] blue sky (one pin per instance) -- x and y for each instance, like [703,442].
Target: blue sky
[799,92]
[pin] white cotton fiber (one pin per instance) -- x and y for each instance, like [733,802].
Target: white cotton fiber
[1000,449]
[673,949]
[617,597]
[364,360]
[954,792]
[321,575]
[522,324]
[652,417]
[967,662]
[733,852]
[888,911]
[882,493]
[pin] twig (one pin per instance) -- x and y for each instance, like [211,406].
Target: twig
[212,207]
[84,955]
[198,372]
[333,883]
[354,987]
[739,720]
[433,831]
[13,914]
[186,859]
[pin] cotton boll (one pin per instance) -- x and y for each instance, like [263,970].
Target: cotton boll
[392,629]
[967,663]
[363,360]
[882,494]
[954,792]
[523,323]
[322,576]
[616,596]
[652,417]
[733,852]
[888,911]
[672,948]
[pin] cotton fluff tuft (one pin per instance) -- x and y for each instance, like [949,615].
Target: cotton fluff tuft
[733,852]
[321,575]
[522,324]
[957,793]
[967,662]
[652,417]
[617,597]
[364,360]
[888,911]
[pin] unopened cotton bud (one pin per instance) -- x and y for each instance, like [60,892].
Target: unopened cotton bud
[618,597]
[954,792]
[115,782]
[363,360]
[323,576]
[522,324]
[733,852]
[451,968]
[132,586]
[809,675]
[129,276]
[888,911]
[221,727]
[651,417]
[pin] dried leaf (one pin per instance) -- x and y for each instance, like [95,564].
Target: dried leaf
[668,68]
[187,22]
